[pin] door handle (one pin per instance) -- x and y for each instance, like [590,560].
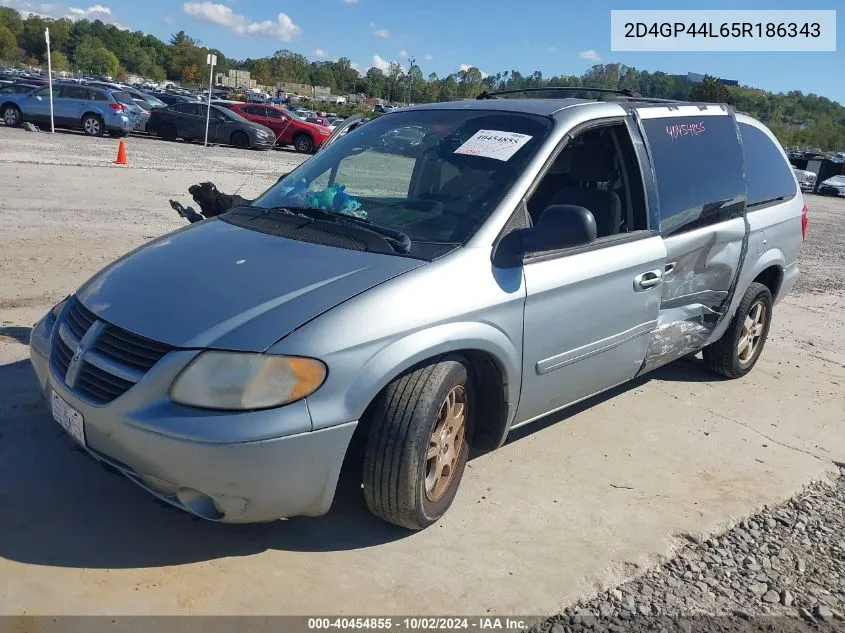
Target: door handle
[647,280]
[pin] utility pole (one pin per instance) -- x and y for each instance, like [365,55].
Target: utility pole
[411,63]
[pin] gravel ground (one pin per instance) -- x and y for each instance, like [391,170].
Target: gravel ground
[823,257]
[782,569]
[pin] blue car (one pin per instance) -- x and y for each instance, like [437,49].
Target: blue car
[93,110]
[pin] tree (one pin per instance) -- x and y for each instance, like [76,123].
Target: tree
[58,61]
[8,43]
[394,74]
[12,20]
[711,91]
[377,81]
[190,73]
[92,57]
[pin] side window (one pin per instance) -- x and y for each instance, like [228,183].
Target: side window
[254,110]
[597,170]
[275,114]
[767,174]
[45,92]
[699,168]
[74,92]
[98,95]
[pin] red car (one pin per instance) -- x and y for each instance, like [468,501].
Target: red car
[305,137]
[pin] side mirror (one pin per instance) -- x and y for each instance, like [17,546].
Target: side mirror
[559,226]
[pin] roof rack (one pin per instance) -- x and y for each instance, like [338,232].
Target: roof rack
[624,93]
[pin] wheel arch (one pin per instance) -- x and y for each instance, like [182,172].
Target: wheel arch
[95,113]
[492,359]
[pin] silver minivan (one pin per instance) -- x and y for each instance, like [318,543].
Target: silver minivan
[525,255]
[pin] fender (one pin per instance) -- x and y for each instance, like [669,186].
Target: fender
[400,355]
[772,257]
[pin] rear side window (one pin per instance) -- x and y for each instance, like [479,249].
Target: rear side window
[254,110]
[768,175]
[98,95]
[699,169]
[75,92]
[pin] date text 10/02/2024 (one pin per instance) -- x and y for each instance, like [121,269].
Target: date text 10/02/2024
[484,623]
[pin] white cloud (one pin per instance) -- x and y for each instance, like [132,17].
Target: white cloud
[382,33]
[553,49]
[282,28]
[320,53]
[384,65]
[403,53]
[55,10]
[590,54]
[428,58]
[168,20]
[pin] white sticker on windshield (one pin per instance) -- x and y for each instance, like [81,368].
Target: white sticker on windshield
[493,144]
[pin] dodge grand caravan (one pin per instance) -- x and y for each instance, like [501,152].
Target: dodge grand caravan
[526,255]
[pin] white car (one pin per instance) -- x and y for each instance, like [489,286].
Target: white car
[806,179]
[833,186]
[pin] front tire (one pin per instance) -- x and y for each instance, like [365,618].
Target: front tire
[418,443]
[736,353]
[93,125]
[303,143]
[12,116]
[240,140]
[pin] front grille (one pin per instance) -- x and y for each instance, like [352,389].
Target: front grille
[111,363]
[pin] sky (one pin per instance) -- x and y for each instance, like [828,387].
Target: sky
[556,37]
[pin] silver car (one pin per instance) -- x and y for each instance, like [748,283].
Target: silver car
[529,254]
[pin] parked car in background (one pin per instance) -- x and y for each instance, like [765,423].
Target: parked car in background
[18,88]
[318,120]
[188,121]
[170,98]
[834,186]
[141,113]
[288,130]
[75,106]
[806,179]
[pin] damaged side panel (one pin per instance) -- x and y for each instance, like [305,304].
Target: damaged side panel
[701,205]
[700,270]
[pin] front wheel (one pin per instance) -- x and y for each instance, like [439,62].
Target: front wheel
[303,143]
[736,353]
[12,116]
[240,140]
[418,443]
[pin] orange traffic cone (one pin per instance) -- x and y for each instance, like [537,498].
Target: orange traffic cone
[121,153]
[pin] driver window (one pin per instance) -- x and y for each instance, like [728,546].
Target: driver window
[596,170]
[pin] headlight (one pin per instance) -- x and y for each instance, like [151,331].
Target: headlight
[233,380]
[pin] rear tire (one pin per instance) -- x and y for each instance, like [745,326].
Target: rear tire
[303,143]
[736,353]
[12,116]
[418,443]
[93,125]
[167,132]
[240,140]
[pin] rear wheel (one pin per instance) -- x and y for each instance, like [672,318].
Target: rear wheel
[240,140]
[12,116]
[418,444]
[167,132]
[303,143]
[736,353]
[92,125]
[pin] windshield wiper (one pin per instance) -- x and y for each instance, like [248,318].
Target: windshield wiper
[398,240]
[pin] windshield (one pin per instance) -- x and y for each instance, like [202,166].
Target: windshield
[434,175]
[154,101]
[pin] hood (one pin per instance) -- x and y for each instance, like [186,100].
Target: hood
[835,181]
[216,285]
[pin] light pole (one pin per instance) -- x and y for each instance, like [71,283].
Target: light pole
[50,78]
[211,60]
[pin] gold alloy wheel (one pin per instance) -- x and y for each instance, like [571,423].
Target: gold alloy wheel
[446,443]
[752,332]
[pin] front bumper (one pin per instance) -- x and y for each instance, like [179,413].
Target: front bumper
[263,143]
[222,466]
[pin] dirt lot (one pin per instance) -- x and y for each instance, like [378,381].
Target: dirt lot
[570,505]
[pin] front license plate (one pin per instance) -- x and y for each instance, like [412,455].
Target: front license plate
[69,418]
